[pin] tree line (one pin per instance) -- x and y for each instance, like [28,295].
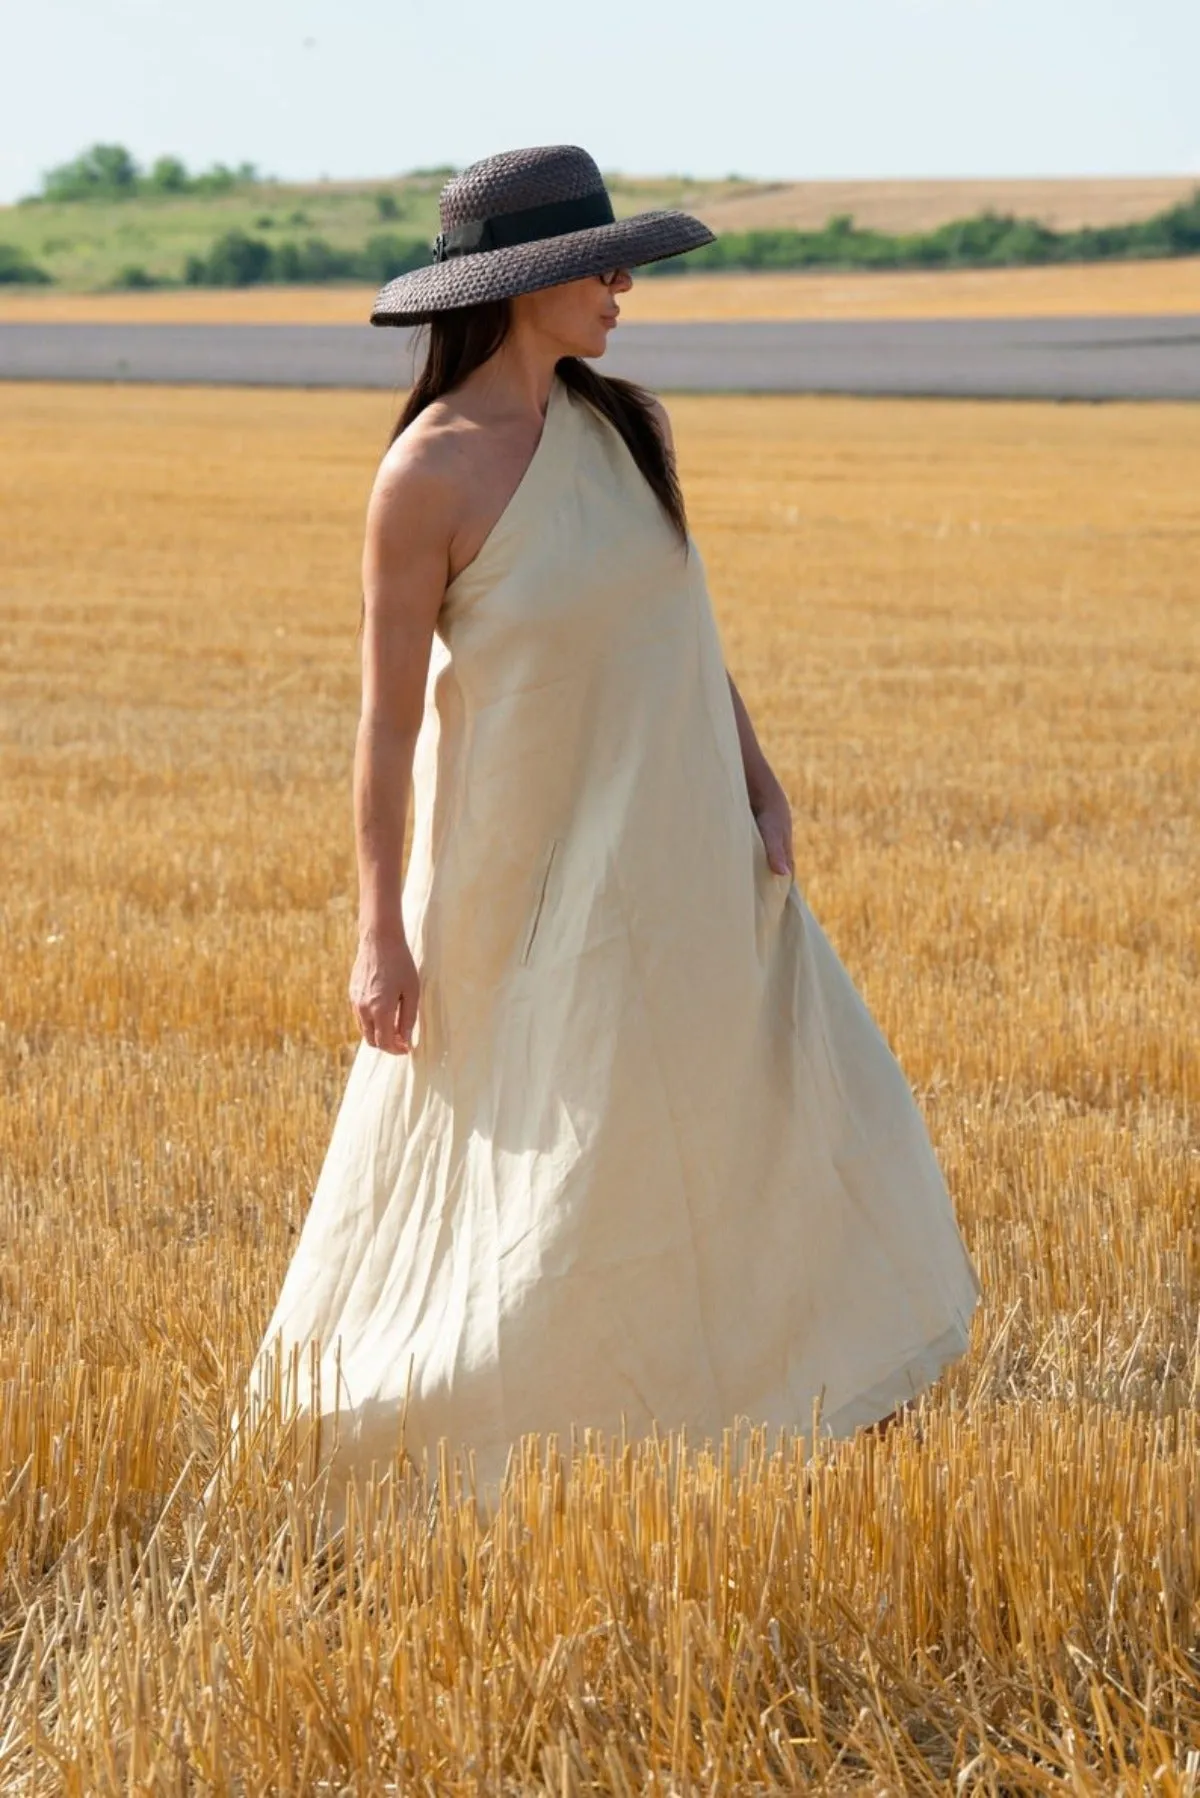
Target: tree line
[110,172]
[988,240]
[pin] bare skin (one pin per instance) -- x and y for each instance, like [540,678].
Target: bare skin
[438,491]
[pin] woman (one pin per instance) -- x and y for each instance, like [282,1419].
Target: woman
[621,1146]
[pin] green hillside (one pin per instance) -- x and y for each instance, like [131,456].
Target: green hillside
[102,222]
[100,231]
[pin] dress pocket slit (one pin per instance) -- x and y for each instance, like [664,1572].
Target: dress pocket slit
[531,933]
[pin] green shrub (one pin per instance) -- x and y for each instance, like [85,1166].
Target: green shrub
[314,261]
[234,260]
[168,176]
[17,270]
[133,277]
[105,171]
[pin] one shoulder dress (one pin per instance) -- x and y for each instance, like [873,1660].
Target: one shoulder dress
[650,1162]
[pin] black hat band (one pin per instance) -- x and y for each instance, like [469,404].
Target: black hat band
[554,219]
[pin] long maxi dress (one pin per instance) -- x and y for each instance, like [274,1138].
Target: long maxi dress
[650,1161]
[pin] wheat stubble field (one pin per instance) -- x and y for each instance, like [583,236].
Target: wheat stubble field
[967,635]
[1058,290]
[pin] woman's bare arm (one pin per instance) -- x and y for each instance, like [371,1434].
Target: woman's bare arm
[404,571]
[768,801]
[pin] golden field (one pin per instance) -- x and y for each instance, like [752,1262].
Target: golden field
[967,634]
[1109,289]
[1064,202]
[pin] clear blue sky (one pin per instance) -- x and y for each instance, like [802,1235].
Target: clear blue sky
[783,89]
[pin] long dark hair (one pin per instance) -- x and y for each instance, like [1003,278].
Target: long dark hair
[463,338]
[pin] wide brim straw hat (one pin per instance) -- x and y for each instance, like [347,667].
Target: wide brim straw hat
[525,219]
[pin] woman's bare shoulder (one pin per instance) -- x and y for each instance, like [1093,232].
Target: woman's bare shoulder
[428,452]
[417,491]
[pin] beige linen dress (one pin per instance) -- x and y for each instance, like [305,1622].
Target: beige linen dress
[650,1160]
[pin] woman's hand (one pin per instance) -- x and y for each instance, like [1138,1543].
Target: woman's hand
[384,989]
[773,816]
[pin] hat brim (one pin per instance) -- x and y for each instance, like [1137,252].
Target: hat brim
[422,294]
